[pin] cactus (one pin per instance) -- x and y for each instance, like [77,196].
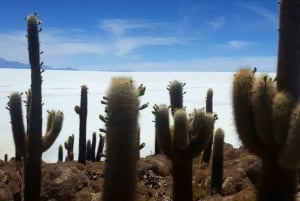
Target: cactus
[89,150]
[82,112]
[217,162]
[5,157]
[93,156]
[209,109]
[100,148]
[182,143]
[176,93]
[122,140]
[60,153]
[30,144]
[267,122]
[69,145]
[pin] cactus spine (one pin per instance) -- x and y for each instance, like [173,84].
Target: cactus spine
[217,162]
[31,144]
[82,112]
[122,141]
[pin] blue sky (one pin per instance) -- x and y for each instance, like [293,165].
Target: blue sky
[145,35]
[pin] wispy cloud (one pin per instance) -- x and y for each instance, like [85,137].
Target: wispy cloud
[127,45]
[217,23]
[263,12]
[238,44]
[120,26]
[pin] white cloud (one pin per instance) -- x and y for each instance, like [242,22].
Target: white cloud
[238,44]
[217,23]
[267,14]
[119,26]
[127,45]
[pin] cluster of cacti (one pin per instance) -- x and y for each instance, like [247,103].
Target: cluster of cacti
[122,139]
[30,144]
[91,148]
[184,141]
[82,112]
[69,146]
[217,162]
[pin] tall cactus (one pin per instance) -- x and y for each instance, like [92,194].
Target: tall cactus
[267,114]
[182,143]
[82,112]
[122,140]
[209,109]
[267,122]
[217,162]
[30,143]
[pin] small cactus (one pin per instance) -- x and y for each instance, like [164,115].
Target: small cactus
[82,112]
[217,162]
[209,109]
[181,143]
[60,153]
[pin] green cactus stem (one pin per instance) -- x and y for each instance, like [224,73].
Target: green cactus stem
[182,143]
[60,153]
[82,112]
[267,122]
[217,163]
[209,109]
[176,94]
[122,141]
[30,144]
[93,154]
[89,150]
[69,146]
[100,148]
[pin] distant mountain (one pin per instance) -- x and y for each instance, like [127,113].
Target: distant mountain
[18,65]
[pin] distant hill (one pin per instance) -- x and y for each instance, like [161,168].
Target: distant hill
[18,65]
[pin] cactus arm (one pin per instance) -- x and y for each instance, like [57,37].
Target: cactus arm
[243,115]
[262,99]
[289,154]
[100,148]
[209,109]
[54,125]
[181,138]
[282,108]
[15,110]
[182,159]
[202,126]
[162,129]
[176,95]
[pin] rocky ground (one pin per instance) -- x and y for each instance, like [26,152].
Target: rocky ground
[75,182]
